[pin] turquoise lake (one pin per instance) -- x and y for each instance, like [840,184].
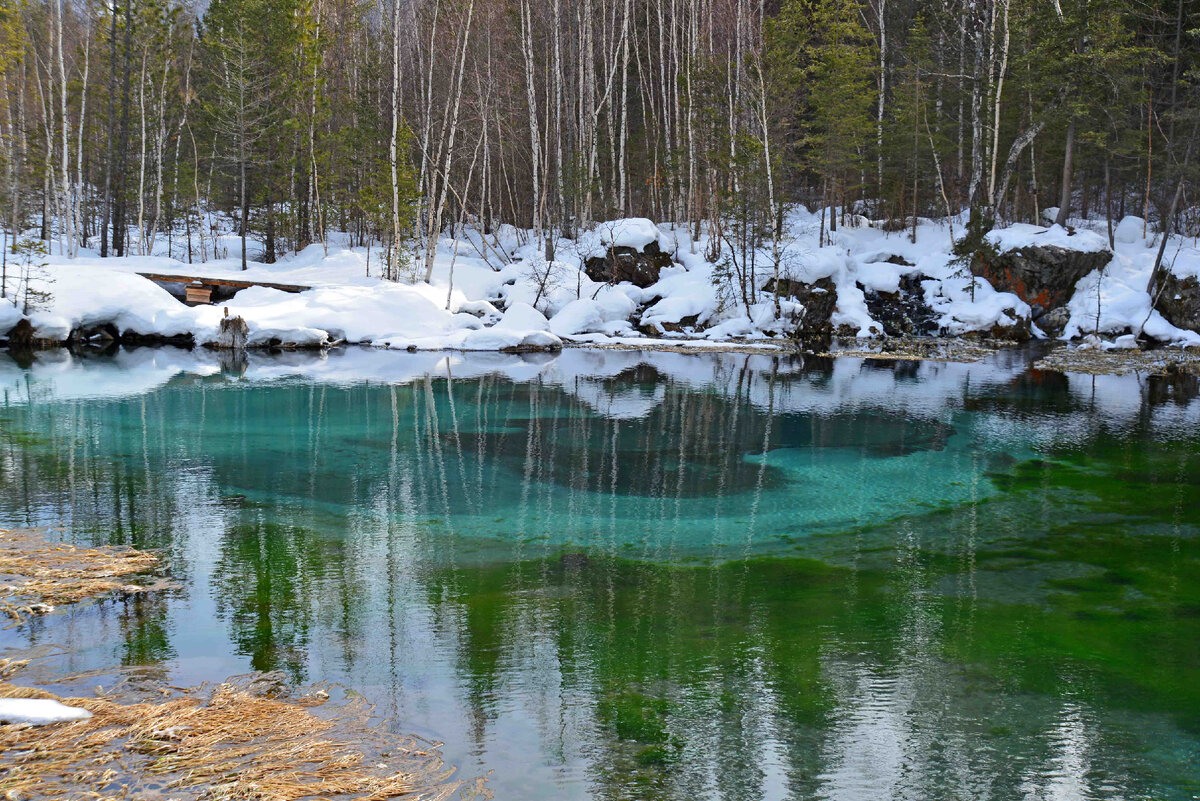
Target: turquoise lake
[634,575]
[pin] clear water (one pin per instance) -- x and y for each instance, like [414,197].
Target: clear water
[655,576]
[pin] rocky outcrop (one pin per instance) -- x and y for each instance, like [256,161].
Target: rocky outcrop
[621,263]
[904,312]
[1044,276]
[1179,301]
[819,300]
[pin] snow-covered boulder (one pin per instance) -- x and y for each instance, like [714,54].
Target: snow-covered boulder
[969,304]
[578,317]
[523,328]
[1130,229]
[523,317]
[621,264]
[629,250]
[509,339]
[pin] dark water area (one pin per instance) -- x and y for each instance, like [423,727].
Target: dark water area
[625,575]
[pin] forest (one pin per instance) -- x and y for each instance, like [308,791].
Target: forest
[130,124]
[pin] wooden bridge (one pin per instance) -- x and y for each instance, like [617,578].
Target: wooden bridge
[198,289]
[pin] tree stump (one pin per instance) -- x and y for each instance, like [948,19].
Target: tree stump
[233,333]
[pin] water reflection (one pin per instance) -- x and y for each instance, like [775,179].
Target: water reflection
[621,575]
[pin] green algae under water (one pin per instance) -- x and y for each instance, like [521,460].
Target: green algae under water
[655,576]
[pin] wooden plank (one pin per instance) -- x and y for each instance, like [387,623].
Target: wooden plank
[198,294]
[211,282]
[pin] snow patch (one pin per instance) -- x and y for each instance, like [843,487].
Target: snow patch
[39,711]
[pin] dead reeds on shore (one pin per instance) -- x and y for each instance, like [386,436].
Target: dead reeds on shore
[235,741]
[37,574]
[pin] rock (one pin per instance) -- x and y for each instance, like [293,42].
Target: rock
[659,327]
[1018,331]
[1054,321]
[21,334]
[819,300]
[622,263]
[904,312]
[96,335]
[1179,301]
[1044,276]
[178,340]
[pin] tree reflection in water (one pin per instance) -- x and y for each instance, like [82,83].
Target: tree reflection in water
[659,576]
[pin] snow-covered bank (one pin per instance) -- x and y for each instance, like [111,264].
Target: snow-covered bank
[634,282]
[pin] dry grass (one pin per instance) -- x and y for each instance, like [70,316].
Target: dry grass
[761,347]
[1093,361]
[914,349]
[37,575]
[232,742]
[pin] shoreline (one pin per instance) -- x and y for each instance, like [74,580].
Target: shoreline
[1055,355]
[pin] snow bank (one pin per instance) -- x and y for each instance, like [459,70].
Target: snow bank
[550,286]
[9,316]
[39,711]
[497,291]
[1124,306]
[1121,288]
[393,315]
[87,297]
